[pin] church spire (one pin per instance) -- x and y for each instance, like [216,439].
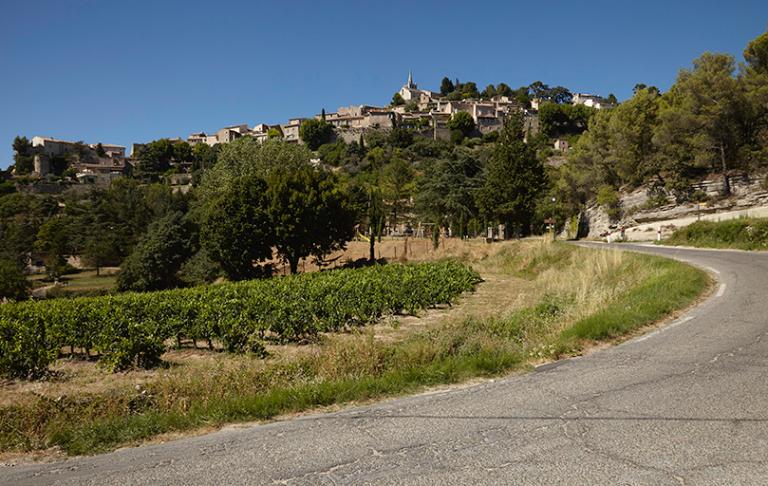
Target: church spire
[410,83]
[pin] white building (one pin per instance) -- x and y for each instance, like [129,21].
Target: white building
[411,92]
[590,100]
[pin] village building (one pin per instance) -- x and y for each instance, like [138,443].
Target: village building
[89,162]
[291,130]
[590,100]
[425,112]
[411,92]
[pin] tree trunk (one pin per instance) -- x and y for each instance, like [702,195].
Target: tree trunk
[726,182]
[371,253]
[294,264]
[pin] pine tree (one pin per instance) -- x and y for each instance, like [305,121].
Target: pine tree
[446,86]
[514,180]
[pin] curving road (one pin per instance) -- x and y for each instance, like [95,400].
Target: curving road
[685,404]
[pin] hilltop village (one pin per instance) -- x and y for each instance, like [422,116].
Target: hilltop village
[422,112]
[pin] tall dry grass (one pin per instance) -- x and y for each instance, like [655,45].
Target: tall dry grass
[561,290]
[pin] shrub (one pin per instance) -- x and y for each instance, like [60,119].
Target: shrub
[608,198]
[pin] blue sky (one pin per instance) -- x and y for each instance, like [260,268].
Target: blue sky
[133,71]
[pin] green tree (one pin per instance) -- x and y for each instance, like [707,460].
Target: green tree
[182,152]
[23,156]
[310,214]
[591,162]
[236,229]
[503,89]
[315,133]
[522,96]
[756,53]
[608,198]
[200,269]
[13,283]
[463,122]
[469,90]
[489,92]
[700,117]
[559,95]
[631,128]
[375,215]
[54,242]
[514,179]
[155,262]
[400,137]
[755,120]
[446,86]
[446,193]
[397,100]
[543,92]
[21,216]
[397,186]
[411,106]
[204,155]
[274,133]
[246,157]
[100,248]
[558,120]
[100,150]
[156,156]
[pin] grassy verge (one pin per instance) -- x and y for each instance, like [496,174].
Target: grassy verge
[741,233]
[577,296]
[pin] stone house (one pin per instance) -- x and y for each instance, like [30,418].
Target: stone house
[48,152]
[291,130]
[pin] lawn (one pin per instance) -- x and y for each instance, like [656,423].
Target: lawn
[80,283]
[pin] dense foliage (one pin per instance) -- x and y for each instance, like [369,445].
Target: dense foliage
[131,329]
[315,133]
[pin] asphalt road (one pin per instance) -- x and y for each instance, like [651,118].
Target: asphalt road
[685,404]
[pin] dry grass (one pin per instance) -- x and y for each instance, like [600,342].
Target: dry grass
[585,278]
[533,292]
[403,250]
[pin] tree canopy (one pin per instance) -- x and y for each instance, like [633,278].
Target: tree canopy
[309,213]
[315,133]
[463,122]
[236,227]
[514,179]
[156,260]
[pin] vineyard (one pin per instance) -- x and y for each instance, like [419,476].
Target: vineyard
[134,329]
